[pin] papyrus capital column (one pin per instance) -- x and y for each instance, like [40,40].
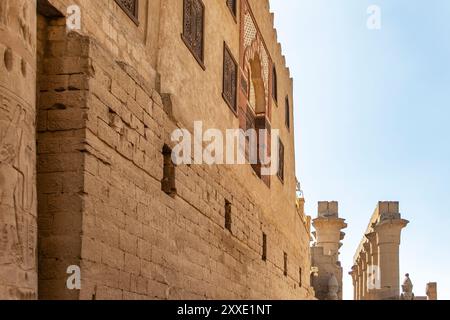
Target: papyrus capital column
[366,264]
[377,256]
[354,276]
[360,278]
[325,251]
[431,291]
[328,228]
[372,266]
[388,240]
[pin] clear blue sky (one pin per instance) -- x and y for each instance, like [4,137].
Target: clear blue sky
[372,112]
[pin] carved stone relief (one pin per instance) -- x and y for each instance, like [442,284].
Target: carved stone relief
[18,213]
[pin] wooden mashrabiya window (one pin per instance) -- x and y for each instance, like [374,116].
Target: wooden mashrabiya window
[231,4]
[193,28]
[131,8]
[230,74]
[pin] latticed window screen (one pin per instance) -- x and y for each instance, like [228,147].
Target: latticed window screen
[193,24]
[280,160]
[232,5]
[131,8]
[229,79]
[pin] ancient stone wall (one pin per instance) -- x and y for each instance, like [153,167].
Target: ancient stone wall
[106,109]
[18,227]
[62,84]
[139,242]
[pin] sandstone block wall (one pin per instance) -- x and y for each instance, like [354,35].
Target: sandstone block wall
[62,99]
[102,130]
[103,119]
[139,242]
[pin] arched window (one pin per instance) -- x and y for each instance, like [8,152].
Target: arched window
[257,105]
[274,84]
[257,95]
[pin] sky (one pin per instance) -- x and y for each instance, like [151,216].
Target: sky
[372,112]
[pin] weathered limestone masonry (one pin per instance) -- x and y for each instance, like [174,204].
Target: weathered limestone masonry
[63,68]
[109,96]
[18,226]
[376,270]
[326,267]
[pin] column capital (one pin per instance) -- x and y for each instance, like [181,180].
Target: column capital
[389,231]
[354,273]
[371,236]
[366,246]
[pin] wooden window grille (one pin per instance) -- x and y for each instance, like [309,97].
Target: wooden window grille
[131,8]
[193,28]
[230,74]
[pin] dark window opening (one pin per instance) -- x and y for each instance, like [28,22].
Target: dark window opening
[285,264]
[228,221]
[287,113]
[193,28]
[168,181]
[264,247]
[280,173]
[274,84]
[300,276]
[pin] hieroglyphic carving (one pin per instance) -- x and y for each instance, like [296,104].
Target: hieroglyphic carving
[4,8]
[16,15]
[18,210]
[18,231]
[24,24]
[17,185]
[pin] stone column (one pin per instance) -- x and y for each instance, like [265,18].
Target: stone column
[388,240]
[18,208]
[328,227]
[360,279]
[354,281]
[432,291]
[373,266]
[328,236]
[357,283]
[366,263]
